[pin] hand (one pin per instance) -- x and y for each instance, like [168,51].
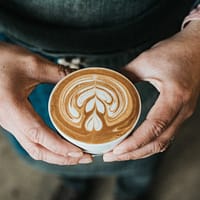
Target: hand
[20,72]
[173,67]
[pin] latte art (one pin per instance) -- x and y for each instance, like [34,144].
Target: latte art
[94,106]
[95,103]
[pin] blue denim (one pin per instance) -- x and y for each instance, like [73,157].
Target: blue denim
[133,176]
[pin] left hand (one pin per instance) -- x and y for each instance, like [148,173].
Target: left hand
[173,67]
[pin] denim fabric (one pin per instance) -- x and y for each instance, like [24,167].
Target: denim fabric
[138,172]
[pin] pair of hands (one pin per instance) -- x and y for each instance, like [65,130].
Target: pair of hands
[172,66]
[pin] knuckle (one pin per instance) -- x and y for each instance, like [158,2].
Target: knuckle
[157,127]
[159,146]
[34,135]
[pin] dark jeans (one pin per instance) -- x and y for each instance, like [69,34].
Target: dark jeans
[133,177]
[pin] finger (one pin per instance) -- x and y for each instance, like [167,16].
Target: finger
[161,143]
[158,145]
[158,120]
[25,121]
[38,152]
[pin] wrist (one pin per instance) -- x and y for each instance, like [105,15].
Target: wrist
[190,37]
[191,26]
[194,15]
[191,34]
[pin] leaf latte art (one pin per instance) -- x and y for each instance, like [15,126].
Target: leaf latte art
[94,105]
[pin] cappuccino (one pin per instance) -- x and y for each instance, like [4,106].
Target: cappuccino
[94,106]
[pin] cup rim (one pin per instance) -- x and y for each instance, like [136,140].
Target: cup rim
[74,141]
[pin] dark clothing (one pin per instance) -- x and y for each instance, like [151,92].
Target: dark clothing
[90,26]
[106,33]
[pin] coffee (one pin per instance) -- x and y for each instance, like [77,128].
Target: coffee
[94,105]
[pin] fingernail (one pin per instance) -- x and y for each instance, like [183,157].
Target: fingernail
[107,158]
[85,160]
[75,154]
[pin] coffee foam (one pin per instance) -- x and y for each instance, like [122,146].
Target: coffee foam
[94,105]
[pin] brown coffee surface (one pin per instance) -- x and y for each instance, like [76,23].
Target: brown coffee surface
[94,105]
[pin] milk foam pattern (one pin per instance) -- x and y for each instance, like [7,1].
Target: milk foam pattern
[94,106]
[93,103]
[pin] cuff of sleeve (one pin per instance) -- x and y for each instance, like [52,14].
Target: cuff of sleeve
[193,16]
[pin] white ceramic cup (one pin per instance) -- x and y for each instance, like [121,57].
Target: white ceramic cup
[96,149]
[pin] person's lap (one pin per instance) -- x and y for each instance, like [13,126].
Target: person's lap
[134,170]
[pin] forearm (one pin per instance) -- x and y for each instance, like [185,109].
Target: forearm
[187,44]
[191,34]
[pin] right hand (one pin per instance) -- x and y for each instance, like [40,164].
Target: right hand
[20,72]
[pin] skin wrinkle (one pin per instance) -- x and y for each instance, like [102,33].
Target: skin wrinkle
[140,153]
[157,127]
[34,135]
[144,133]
